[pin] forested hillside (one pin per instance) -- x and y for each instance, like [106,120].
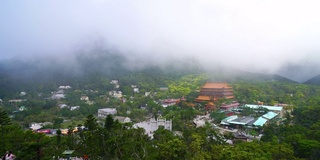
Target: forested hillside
[313,81]
[295,138]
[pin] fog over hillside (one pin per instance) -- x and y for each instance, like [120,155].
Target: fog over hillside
[279,37]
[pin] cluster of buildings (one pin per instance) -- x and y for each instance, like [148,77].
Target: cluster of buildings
[212,92]
[59,94]
[149,126]
[274,114]
[209,94]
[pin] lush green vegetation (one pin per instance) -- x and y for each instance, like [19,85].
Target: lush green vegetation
[297,138]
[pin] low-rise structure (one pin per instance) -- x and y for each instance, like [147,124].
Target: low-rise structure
[22,108]
[122,119]
[72,108]
[84,98]
[276,109]
[64,87]
[248,121]
[115,83]
[104,112]
[62,106]
[171,102]
[135,90]
[16,100]
[36,126]
[115,94]
[229,107]
[153,124]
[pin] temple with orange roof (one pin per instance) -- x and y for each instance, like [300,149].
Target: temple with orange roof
[214,91]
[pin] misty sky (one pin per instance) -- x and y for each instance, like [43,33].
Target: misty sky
[268,36]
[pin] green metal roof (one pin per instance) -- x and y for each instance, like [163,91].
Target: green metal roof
[260,121]
[270,115]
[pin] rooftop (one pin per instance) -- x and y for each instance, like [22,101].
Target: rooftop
[271,108]
[270,115]
[242,120]
[260,121]
[217,85]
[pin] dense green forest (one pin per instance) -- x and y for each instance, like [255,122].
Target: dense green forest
[297,137]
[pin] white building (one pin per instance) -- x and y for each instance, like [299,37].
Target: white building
[102,113]
[115,94]
[136,90]
[153,124]
[62,106]
[84,98]
[74,108]
[116,83]
[64,87]
[122,119]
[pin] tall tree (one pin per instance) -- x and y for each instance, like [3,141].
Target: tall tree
[4,118]
[91,122]
[109,122]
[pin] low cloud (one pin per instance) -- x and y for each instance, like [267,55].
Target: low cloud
[256,36]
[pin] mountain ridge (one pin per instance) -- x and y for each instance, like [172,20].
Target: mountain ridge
[313,81]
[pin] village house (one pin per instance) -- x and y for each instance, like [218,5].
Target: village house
[84,98]
[16,100]
[135,88]
[115,94]
[64,87]
[22,108]
[62,106]
[115,83]
[72,108]
[122,119]
[104,112]
[36,126]
[58,94]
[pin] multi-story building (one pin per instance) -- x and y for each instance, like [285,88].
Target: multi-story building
[153,124]
[215,91]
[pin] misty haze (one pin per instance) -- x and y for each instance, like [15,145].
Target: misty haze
[256,36]
[159,80]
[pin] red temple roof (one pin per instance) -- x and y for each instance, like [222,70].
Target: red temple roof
[217,85]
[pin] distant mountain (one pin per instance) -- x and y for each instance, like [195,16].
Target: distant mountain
[313,81]
[47,73]
[234,75]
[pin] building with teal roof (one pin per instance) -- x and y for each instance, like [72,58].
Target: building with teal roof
[276,109]
[260,122]
[270,115]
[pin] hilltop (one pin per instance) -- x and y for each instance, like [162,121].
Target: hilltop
[313,81]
